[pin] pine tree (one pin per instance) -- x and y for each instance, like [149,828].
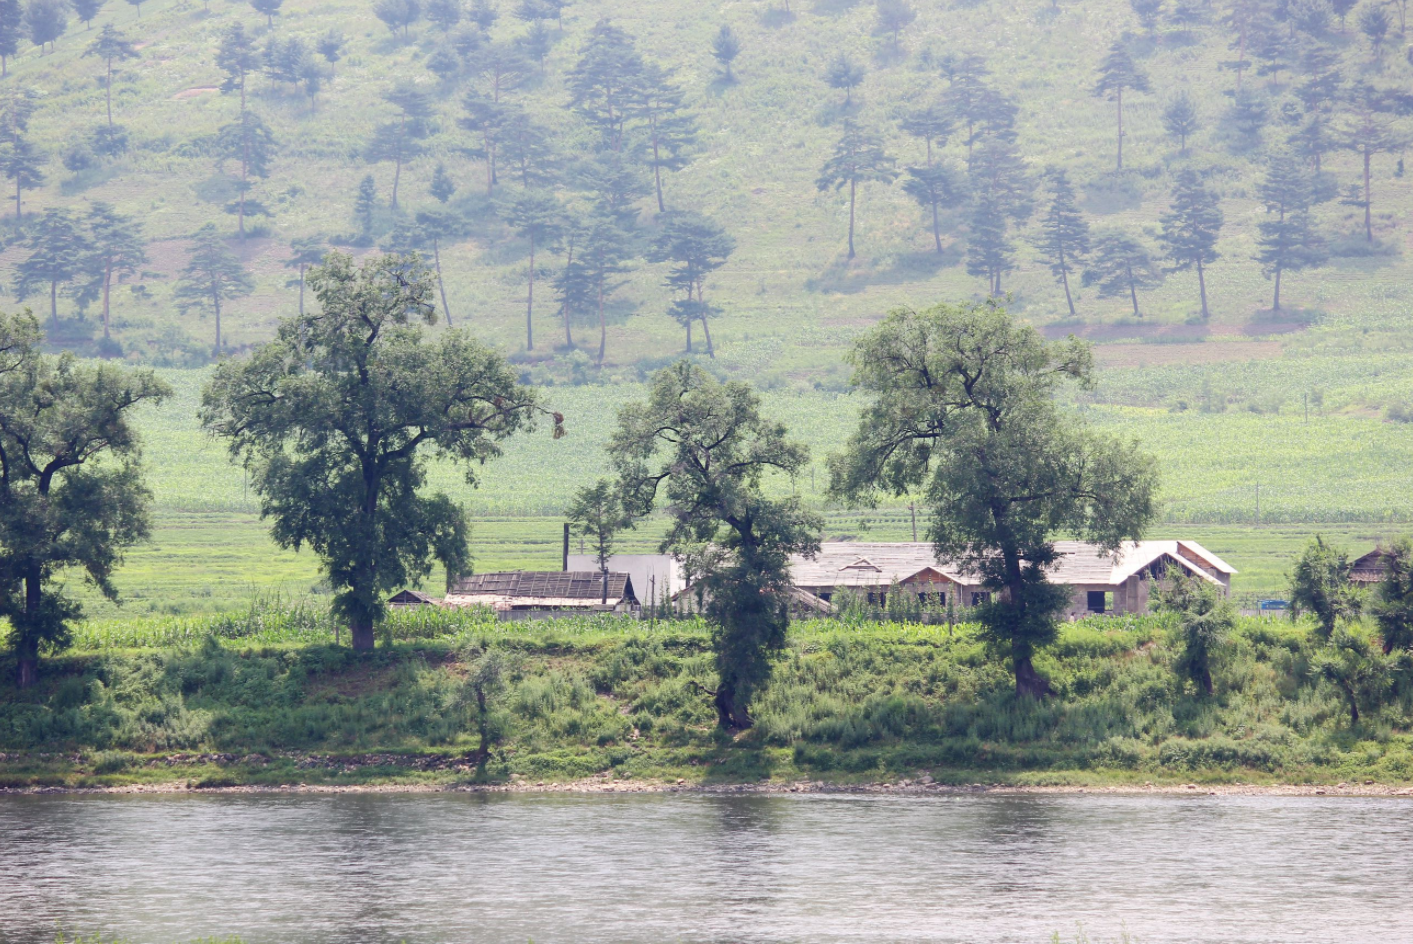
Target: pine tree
[12,24]
[843,73]
[236,57]
[858,158]
[1190,229]
[1065,233]
[696,246]
[57,246]
[616,184]
[442,187]
[1148,12]
[1312,139]
[488,118]
[109,46]
[212,275]
[330,46]
[967,98]
[535,216]
[601,257]
[1121,265]
[398,14]
[267,9]
[1119,73]
[1248,116]
[46,21]
[671,131]
[1288,241]
[990,254]
[725,47]
[933,123]
[537,42]
[1342,9]
[400,140]
[1180,119]
[528,148]
[86,10]
[116,247]
[1368,129]
[606,84]
[365,205]
[23,163]
[1375,23]
[483,14]
[249,141]
[444,14]
[305,252]
[935,187]
[436,226]
[894,16]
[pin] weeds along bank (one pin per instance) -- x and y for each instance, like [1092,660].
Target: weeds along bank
[268,697]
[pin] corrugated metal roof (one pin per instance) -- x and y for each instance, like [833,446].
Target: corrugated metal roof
[543,586]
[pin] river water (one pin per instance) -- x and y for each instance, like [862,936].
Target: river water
[337,869]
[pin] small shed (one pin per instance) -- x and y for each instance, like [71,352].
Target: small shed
[522,594]
[1370,568]
[411,600]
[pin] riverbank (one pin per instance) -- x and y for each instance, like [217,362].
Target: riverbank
[610,704]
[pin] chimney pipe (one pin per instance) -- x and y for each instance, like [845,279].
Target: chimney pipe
[565,559]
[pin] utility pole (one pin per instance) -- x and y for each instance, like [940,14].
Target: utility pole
[912,508]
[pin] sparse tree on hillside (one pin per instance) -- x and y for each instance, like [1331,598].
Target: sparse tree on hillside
[990,254]
[398,15]
[1375,23]
[535,216]
[237,58]
[1342,9]
[962,404]
[336,417]
[444,14]
[86,10]
[211,276]
[23,163]
[606,84]
[1392,606]
[933,123]
[330,46]
[305,252]
[72,497]
[529,148]
[442,187]
[1319,585]
[436,226]
[602,255]
[1149,12]
[725,47]
[1121,265]
[1249,113]
[12,27]
[1288,240]
[486,117]
[967,98]
[116,247]
[892,17]
[267,9]
[110,46]
[1180,119]
[696,246]
[1118,73]
[1312,139]
[935,187]
[707,446]
[1064,233]
[46,21]
[400,140]
[136,5]
[1191,227]
[57,246]
[537,43]
[858,158]
[843,73]
[1368,129]
[365,205]
[483,13]
[616,185]
[670,129]
[534,11]
[248,141]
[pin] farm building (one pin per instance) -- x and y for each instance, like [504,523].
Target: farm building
[524,594]
[656,577]
[411,600]
[1370,568]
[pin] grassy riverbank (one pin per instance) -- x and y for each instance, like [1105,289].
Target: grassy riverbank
[267,697]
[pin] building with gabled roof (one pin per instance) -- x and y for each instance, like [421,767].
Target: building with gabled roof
[523,593]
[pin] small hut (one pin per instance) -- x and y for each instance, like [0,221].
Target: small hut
[1370,568]
[411,600]
[527,594]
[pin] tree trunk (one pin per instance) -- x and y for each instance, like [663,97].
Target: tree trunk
[482,724]
[1240,58]
[107,291]
[853,188]
[729,715]
[216,303]
[706,330]
[1133,291]
[1276,301]
[27,646]
[244,182]
[1120,98]
[689,330]
[1368,217]
[1204,680]
[657,173]
[302,267]
[530,300]
[441,286]
[1029,683]
[936,229]
[603,346]
[361,633]
[1065,280]
[108,94]
[397,176]
[1202,287]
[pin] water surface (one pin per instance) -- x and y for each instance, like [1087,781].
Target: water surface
[338,869]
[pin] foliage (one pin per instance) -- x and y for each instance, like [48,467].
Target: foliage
[1205,618]
[1319,585]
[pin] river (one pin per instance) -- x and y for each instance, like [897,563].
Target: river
[338,869]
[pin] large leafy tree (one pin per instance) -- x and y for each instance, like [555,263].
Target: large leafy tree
[1191,227]
[1121,265]
[57,246]
[1319,586]
[213,274]
[696,246]
[1392,606]
[400,140]
[46,21]
[1288,240]
[116,247]
[963,406]
[337,417]
[71,491]
[702,448]
[1064,233]
[858,158]
[1118,73]
[1205,617]
[110,46]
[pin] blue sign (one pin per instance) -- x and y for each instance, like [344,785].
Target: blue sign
[1275,605]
